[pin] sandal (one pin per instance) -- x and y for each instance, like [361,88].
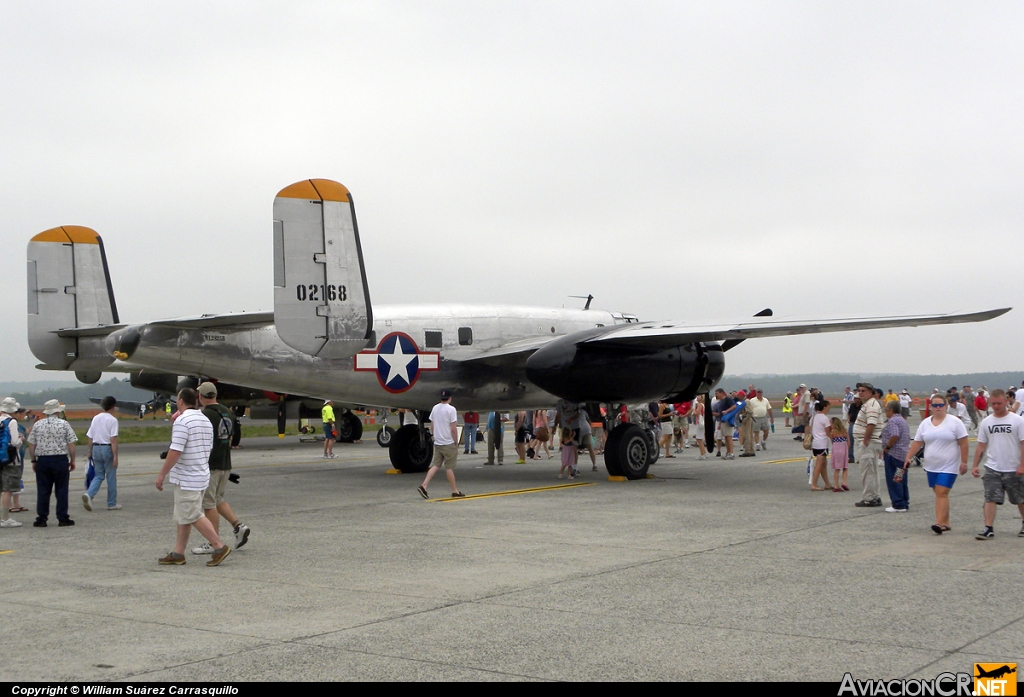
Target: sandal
[939,529]
[19,509]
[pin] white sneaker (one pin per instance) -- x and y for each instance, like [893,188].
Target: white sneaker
[9,523]
[115,507]
[204,548]
[890,509]
[757,446]
[241,535]
[87,502]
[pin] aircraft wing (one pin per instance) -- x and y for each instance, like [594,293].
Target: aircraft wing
[510,353]
[659,334]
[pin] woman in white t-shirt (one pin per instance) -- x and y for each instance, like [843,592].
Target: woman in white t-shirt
[820,442]
[944,439]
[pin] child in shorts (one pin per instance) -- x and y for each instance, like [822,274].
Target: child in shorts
[568,454]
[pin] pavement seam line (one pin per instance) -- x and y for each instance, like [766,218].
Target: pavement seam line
[959,649]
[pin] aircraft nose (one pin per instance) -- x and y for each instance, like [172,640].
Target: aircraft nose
[123,343]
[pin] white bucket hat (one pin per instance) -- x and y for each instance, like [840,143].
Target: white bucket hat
[53,406]
[9,405]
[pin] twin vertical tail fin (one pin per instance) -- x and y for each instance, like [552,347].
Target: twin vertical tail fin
[70,298]
[321,299]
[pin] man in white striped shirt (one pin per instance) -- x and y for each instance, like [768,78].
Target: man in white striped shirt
[188,464]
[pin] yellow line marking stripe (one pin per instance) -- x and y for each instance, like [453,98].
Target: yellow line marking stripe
[513,492]
[781,462]
[6,551]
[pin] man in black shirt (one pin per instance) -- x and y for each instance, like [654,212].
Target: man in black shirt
[214,505]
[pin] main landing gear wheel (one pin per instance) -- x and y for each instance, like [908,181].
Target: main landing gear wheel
[655,452]
[349,428]
[408,453]
[629,450]
[384,436]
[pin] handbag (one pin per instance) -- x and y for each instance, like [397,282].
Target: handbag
[90,474]
[808,439]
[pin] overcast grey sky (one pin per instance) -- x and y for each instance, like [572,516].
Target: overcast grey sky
[677,160]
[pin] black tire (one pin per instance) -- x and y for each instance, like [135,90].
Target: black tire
[385,436]
[611,451]
[633,450]
[655,451]
[348,428]
[407,453]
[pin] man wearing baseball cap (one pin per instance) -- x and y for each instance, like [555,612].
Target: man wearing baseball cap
[444,424]
[51,447]
[214,504]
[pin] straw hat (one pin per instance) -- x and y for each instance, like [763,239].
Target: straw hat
[53,406]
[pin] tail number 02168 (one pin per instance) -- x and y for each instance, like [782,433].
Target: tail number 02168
[321,293]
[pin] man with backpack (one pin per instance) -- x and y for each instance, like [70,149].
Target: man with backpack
[214,504]
[11,465]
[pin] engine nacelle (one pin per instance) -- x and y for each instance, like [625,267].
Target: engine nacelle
[154,381]
[610,373]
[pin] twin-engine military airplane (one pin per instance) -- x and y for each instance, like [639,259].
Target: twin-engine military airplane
[324,338]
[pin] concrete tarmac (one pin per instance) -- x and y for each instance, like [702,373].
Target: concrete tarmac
[714,570]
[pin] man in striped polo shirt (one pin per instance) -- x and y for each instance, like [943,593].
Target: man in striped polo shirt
[188,464]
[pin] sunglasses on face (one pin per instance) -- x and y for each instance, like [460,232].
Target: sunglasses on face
[938,406]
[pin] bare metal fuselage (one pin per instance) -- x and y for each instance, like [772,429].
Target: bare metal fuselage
[254,356]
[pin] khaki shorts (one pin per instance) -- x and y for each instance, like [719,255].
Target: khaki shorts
[445,455]
[188,505]
[10,477]
[726,431]
[214,493]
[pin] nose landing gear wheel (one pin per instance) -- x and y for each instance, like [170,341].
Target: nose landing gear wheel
[408,453]
[384,436]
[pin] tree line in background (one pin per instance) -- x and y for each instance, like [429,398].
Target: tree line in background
[834,383]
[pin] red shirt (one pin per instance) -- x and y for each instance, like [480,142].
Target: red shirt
[683,408]
[980,403]
[471,417]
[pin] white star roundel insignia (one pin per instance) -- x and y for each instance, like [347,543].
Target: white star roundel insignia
[397,361]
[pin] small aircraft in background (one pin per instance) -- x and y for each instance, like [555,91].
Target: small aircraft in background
[325,339]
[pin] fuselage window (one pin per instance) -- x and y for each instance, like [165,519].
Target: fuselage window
[432,338]
[465,336]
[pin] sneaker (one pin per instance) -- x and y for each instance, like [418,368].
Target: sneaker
[241,535]
[594,468]
[868,504]
[115,507]
[67,522]
[757,446]
[458,495]
[1021,533]
[890,509]
[987,534]
[87,502]
[423,492]
[219,556]
[204,548]
[172,558]
[520,462]
[9,523]
[39,523]
[718,453]
[730,456]
[764,446]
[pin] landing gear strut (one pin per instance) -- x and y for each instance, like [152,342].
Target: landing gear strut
[411,448]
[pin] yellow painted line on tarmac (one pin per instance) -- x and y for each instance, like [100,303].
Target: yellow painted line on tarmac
[781,462]
[513,492]
[6,551]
